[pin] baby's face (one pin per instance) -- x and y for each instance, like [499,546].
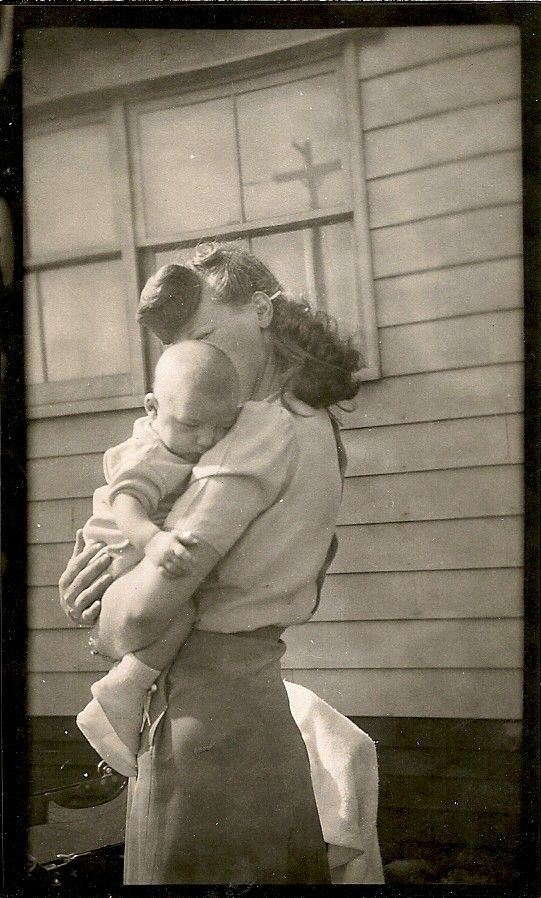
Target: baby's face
[191,421]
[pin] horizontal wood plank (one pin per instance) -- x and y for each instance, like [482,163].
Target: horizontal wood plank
[440,86]
[404,47]
[515,436]
[79,434]
[434,495]
[380,596]
[467,492]
[442,138]
[450,187]
[486,339]
[422,595]
[435,396]
[462,290]
[72,476]
[390,644]
[430,545]
[417,693]
[51,694]
[476,694]
[450,240]
[43,609]
[352,644]
[454,443]
[56,650]
[56,520]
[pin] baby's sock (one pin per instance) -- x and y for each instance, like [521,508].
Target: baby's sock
[112,720]
[130,670]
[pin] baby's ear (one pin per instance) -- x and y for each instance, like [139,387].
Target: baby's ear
[151,405]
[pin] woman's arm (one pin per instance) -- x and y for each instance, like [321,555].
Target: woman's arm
[131,617]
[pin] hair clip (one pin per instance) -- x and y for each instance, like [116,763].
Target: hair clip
[275,295]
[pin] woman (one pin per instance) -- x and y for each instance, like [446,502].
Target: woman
[223,791]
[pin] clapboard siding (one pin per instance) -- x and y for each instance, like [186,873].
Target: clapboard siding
[79,434]
[476,694]
[415,46]
[435,396]
[491,491]
[422,594]
[440,86]
[462,133]
[449,187]
[461,290]
[480,643]
[429,545]
[469,236]
[407,545]
[452,343]
[454,443]
[376,596]
[368,644]
[483,491]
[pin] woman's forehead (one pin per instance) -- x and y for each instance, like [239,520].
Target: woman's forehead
[209,314]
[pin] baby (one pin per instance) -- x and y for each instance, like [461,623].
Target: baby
[193,405]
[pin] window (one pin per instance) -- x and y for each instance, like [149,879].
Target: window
[273,162]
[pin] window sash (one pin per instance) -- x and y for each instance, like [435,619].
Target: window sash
[137,252]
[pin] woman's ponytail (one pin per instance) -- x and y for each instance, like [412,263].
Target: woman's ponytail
[323,365]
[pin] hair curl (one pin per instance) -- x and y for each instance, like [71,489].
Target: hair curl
[168,300]
[322,366]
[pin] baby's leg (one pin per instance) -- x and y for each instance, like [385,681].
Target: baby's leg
[112,720]
[163,651]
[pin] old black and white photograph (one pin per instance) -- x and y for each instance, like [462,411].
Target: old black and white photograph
[274,324]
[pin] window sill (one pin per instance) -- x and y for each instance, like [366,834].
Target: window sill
[83,406]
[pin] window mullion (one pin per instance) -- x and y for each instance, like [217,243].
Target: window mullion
[363,249]
[124,208]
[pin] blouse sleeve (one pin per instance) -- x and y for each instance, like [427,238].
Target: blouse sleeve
[240,477]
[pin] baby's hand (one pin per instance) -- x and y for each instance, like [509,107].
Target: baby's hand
[166,551]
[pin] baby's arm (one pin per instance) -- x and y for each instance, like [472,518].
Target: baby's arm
[163,548]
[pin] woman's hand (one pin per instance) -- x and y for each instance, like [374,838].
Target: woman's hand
[84,582]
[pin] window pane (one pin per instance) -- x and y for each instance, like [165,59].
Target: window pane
[184,254]
[33,354]
[84,319]
[189,167]
[292,146]
[317,262]
[68,190]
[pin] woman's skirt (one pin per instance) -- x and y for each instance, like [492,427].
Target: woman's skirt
[223,792]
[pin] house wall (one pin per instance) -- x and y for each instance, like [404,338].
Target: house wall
[421,618]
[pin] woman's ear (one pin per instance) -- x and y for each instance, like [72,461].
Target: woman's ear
[151,405]
[263,308]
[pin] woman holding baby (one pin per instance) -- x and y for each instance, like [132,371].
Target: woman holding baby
[222,792]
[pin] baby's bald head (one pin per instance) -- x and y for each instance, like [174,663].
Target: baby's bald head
[194,365]
[195,397]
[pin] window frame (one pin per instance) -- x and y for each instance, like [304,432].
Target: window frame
[136,251]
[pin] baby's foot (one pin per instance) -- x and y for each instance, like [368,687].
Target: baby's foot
[111,722]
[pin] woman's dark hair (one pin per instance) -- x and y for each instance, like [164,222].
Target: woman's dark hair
[322,365]
[168,300]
